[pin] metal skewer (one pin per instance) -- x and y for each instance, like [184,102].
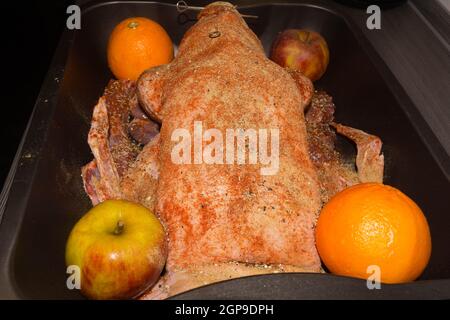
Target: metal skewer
[182,6]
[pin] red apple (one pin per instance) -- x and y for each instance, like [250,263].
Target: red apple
[302,50]
[120,249]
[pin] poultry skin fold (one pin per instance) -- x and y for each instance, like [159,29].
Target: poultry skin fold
[224,220]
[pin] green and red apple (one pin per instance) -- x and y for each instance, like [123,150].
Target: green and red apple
[120,248]
[301,50]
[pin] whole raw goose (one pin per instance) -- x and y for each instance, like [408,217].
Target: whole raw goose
[222,220]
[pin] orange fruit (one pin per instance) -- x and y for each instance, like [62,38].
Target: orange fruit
[373,224]
[137,44]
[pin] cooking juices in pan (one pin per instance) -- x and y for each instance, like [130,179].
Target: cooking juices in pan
[34,267]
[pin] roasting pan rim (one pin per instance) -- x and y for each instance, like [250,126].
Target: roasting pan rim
[331,287]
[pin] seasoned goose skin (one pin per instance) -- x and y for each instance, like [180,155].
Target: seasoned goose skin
[221,213]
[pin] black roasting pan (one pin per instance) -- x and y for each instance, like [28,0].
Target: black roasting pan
[43,196]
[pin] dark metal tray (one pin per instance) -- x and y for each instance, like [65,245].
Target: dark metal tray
[43,196]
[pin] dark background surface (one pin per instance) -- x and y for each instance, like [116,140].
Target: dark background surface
[32,30]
